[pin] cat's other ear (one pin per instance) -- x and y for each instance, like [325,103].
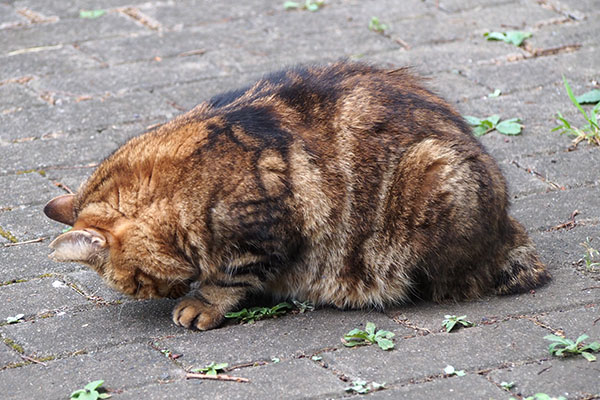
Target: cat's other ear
[87,246]
[61,209]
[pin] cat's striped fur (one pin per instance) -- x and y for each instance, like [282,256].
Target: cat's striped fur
[346,185]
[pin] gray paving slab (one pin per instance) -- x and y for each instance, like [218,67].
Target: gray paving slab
[95,328]
[576,322]
[8,356]
[467,387]
[547,210]
[291,379]
[470,349]
[26,187]
[287,337]
[66,31]
[29,222]
[30,261]
[91,115]
[68,9]
[572,378]
[120,367]
[91,284]
[37,297]
[58,58]
[9,16]
[14,96]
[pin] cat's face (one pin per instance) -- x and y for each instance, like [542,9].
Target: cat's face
[126,254]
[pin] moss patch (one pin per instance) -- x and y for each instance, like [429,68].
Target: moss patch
[6,283]
[7,235]
[29,171]
[14,345]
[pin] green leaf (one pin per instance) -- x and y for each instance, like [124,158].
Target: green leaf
[76,393]
[588,356]
[221,366]
[385,344]
[496,93]
[554,338]
[312,7]
[290,5]
[474,121]
[581,339]
[460,373]
[94,385]
[93,395]
[450,324]
[494,36]
[104,396]
[356,333]
[516,37]
[493,119]
[572,97]
[370,328]
[593,96]
[509,127]
[91,14]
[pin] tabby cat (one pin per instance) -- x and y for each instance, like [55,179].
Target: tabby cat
[347,185]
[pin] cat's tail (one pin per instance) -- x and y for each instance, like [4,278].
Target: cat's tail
[521,269]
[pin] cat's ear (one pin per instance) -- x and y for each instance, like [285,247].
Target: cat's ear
[78,245]
[61,209]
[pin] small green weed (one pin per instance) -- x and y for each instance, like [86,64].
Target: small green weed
[91,14]
[591,257]
[361,387]
[90,392]
[496,93]
[358,337]
[450,371]
[591,131]
[591,97]
[211,369]
[453,321]
[303,306]
[565,347]
[377,26]
[507,385]
[15,319]
[251,315]
[511,37]
[510,126]
[310,5]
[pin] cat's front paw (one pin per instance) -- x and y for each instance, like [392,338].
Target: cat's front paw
[194,314]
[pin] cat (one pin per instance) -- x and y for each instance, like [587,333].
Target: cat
[346,185]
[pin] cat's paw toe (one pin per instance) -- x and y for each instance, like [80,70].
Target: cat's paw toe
[194,314]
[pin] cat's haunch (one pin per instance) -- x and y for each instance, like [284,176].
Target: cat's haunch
[346,185]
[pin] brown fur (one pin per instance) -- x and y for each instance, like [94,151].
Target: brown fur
[346,185]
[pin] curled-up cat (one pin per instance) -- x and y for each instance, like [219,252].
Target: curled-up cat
[346,185]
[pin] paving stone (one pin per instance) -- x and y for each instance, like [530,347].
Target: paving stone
[30,261]
[71,177]
[470,349]
[566,169]
[25,188]
[14,96]
[293,379]
[9,16]
[97,328]
[520,182]
[120,368]
[92,285]
[536,72]
[92,115]
[546,210]
[284,337]
[66,31]
[68,9]
[37,297]
[63,59]
[29,222]
[8,356]
[577,322]
[573,378]
[466,387]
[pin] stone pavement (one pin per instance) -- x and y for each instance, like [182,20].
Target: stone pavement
[72,89]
